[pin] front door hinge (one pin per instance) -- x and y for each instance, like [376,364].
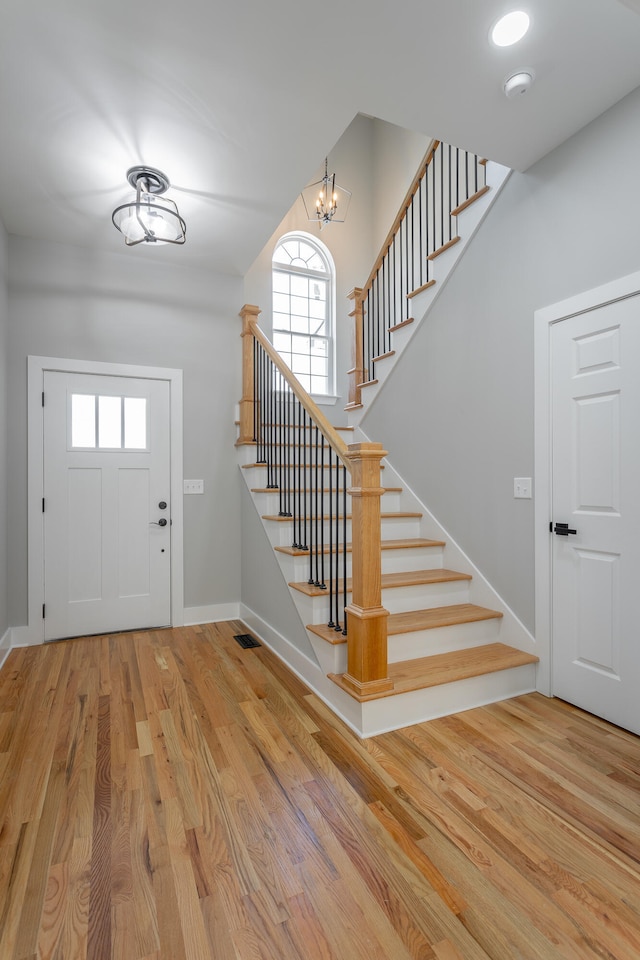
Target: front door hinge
[43,398]
[43,504]
[43,611]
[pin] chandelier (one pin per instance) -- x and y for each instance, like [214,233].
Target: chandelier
[324,201]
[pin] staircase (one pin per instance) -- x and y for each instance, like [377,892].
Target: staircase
[396,624]
[447,650]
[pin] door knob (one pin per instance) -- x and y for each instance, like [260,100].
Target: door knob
[158,523]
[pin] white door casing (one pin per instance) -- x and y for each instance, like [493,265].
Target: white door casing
[34,631]
[107,540]
[587,472]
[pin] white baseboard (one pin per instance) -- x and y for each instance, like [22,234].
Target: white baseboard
[5,646]
[211,613]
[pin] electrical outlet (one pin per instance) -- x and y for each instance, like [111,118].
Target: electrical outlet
[522,488]
[193,486]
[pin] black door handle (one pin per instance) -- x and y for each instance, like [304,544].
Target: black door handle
[562,530]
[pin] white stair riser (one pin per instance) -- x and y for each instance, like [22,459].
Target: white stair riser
[331,657]
[269,503]
[393,561]
[427,643]
[396,599]
[390,713]
[281,531]
[414,558]
[425,596]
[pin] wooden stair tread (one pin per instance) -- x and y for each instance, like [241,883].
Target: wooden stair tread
[275,466]
[403,323]
[409,544]
[392,515]
[467,203]
[429,619]
[367,383]
[383,356]
[434,617]
[411,578]
[425,286]
[443,248]
[324,490]
[442,668]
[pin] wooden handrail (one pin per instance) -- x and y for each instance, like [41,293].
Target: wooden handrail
[332,437]
[411,192]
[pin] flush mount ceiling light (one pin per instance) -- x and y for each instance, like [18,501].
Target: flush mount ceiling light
[324,201]
[148,219]
[510,28]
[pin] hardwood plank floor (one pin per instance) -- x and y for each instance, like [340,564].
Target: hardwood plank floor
[168,795]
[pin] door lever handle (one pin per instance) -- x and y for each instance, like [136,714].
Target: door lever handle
[158,523]
[562,530]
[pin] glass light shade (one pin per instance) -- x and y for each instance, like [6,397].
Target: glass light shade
[150,219]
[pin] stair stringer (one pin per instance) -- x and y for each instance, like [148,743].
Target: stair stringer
[513,632]
[442,268]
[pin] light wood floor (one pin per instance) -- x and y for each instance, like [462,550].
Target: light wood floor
[170,795]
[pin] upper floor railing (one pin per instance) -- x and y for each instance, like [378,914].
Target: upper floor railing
[324,486]
[448,180]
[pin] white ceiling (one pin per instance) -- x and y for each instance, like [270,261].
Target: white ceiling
[239,102]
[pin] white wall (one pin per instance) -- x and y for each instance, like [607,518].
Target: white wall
[4,322]
[70,302]
[397,153]
[457,413]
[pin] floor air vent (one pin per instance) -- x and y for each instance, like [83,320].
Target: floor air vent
[246,641]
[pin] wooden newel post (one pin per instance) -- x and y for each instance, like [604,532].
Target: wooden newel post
[356,374]
[367,618]
[249,314]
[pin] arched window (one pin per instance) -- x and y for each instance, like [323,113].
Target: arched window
[303,308]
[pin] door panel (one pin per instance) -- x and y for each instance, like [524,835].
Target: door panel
[106,468]
[595,404]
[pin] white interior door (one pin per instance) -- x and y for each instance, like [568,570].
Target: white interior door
[107,518]
[595,407]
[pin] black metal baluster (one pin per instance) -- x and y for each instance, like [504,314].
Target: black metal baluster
[466,175]
[321,514]
[316,579]
[434,242]
[441,151]
[344,552]
[332,576]
[271,455]
[295,460]
[312,544]
[305,511]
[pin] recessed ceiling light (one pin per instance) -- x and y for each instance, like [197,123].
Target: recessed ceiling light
[510,28]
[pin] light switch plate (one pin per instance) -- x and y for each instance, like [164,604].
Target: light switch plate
[193,486]
[522,488]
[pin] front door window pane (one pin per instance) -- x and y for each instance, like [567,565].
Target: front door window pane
[83,421]
[135,423]
[109,422]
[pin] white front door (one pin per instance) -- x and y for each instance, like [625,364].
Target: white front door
[595,417]
[107,518]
